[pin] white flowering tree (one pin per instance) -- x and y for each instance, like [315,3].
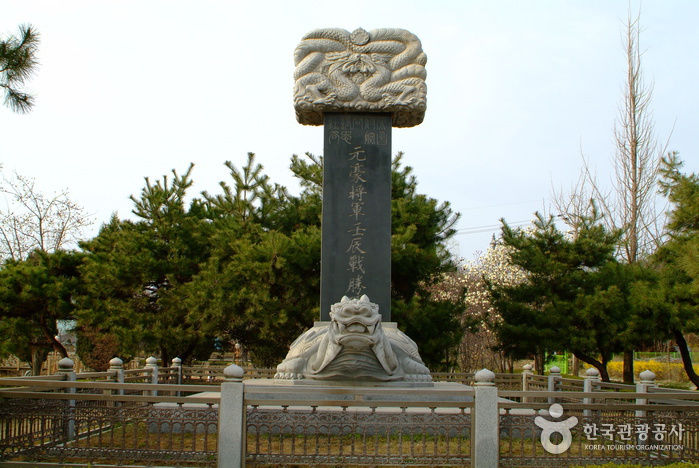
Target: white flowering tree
[479,346]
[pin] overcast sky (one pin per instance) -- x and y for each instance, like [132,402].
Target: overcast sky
[517,90]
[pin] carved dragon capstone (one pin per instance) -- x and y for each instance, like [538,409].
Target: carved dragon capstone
[354,347]
[378,71]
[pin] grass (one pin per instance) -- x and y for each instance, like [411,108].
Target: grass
[120,444]
[371,445]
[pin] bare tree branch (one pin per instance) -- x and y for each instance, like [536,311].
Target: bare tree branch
[631,204]
[32,221]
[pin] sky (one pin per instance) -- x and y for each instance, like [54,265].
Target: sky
[517,92]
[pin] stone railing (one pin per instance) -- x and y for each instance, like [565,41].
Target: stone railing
[118,415]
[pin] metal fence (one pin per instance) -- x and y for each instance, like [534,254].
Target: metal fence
[393,426]
[604,429]
[175,416]
[108,417]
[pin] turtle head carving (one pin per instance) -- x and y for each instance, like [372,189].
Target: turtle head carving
[355,323]
[353,346]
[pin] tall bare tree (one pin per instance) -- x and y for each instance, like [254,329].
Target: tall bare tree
[630,203]
[637,159]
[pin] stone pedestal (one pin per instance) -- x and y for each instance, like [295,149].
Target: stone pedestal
[354,346]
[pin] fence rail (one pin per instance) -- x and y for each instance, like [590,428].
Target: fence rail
[213,417]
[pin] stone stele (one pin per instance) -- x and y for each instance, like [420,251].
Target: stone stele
[378,71]
[354,347]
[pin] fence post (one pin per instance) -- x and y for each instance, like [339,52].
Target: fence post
[647,380]
[554,376]
[66,369]
[116,374]
[177,366]
[231,419]
[176,369]
[486,422]
[591,378]
[526,373]
[152,364]
[116,368]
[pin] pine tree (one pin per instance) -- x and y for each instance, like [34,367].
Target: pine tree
[136,271]
[243,266]
[568,298]
[262,279]
[17,64]
[34,294]
[677,260]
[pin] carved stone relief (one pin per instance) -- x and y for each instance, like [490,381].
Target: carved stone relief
[378,71]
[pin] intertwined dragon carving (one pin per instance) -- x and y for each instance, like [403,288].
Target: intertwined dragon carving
[378,71]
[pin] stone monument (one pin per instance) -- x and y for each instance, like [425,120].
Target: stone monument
[357,85]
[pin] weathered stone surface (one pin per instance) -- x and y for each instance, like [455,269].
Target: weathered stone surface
[354,346]
[356,247]
[378,71]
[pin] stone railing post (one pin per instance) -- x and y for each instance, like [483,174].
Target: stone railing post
[66,369]
[526,374]
[486,422]
[116,371]
[116,368]
[231,419]
[589,385]
[647,380]
[152,364]
[554,377]
[176,371]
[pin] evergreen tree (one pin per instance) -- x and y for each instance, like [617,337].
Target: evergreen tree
[34,294]
[677,260]
[262,279]
[568,299]
[631,202]
[243,266]
[135,272]
[265,277]
[17,64]
[616,314]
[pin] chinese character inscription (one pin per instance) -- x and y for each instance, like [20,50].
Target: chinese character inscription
[356,209]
